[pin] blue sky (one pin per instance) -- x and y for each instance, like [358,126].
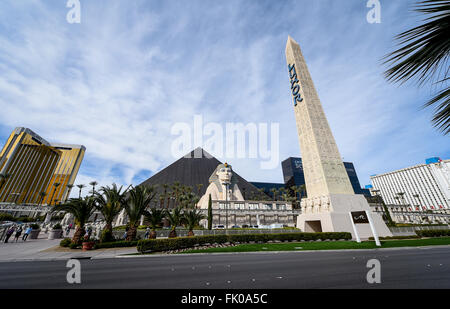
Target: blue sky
[118,81]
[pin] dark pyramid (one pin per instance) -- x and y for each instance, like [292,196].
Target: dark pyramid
[192,169]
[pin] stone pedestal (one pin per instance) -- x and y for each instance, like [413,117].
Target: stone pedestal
[330,213]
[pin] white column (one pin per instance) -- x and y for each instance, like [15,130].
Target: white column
[358,240]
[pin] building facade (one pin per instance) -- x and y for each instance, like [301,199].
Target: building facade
[293,174]
[422,187]
[39,172]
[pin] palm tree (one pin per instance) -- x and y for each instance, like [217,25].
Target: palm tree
[56,185]
[175,218]
[199,188]
[110,201]
[42,195]
[69,189]
[93,184]
[302,191]
[81,209]
[155,217]
[192,219]
[274,193]
[424,53]
[139,199]
[165,195]
[3,178]
[210,214]
[262,195]
[80,186]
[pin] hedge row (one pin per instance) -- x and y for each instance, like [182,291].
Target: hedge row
[157,245]
[433,233]
[116,244]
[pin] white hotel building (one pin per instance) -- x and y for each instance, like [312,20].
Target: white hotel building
[424,185]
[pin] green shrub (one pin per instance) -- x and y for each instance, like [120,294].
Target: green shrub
[107,236]
[157,245]
[35,226]
[116,244]
[74,245]
[6,217]
[433,233]
[25,219]
[57,227]
[65,242]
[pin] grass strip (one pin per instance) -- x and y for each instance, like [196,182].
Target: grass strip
[326,245]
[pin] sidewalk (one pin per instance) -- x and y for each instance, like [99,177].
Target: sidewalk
[42,249]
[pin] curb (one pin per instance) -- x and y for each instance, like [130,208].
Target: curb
[279,252]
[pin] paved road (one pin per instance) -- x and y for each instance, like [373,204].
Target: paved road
[400,268]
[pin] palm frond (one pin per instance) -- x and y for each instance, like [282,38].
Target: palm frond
[441,118]
[426,47]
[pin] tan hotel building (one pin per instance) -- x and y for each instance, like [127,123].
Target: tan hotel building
[34,166]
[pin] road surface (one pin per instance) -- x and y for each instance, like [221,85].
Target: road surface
[400,268]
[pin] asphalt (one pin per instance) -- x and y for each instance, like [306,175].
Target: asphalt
[416,268]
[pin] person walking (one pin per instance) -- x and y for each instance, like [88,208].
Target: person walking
[9,233]
[147,233]
[18,232]
[126,232]
[27,232]
[68,230]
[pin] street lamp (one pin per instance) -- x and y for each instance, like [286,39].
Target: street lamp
[226,204]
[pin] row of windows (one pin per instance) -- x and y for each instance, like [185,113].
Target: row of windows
[418,181]
[242,206]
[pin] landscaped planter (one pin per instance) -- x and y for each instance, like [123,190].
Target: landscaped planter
[55,234]
[34,234]
[88,245]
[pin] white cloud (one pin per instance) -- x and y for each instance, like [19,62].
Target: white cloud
[118,81]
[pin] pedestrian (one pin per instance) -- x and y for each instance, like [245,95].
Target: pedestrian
[27,232]
[126,232]
[18,232]
[147,233]
[68,230]
[9,233]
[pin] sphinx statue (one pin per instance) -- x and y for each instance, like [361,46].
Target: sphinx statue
[221,179]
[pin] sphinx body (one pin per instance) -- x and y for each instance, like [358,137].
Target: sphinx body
[220,179]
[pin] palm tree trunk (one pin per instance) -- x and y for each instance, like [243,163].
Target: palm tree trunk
[152,235]
[190,233]
[108,227]
[78,234]
[173,233]
[131,234]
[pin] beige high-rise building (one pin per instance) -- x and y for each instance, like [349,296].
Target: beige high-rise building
[331,198]
[38,172]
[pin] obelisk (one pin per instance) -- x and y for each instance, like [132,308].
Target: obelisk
[330,194]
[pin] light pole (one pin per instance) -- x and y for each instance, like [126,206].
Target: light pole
[226,204]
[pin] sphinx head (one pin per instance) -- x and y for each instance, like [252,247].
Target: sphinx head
[222,175]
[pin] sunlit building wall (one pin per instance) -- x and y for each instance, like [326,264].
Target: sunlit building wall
[35,166]
[425,186]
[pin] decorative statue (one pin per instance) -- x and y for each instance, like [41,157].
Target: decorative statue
[221,179]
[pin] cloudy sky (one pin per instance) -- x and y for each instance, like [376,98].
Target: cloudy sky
[120,80]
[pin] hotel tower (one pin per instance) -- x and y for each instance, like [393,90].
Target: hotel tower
[38,172]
